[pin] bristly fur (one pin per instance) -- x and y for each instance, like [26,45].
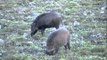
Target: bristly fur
[56,39]
[45,20]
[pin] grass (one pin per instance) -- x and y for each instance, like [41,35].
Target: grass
[88,40]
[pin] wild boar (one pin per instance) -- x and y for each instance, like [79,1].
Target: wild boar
[56,39]
[46,20]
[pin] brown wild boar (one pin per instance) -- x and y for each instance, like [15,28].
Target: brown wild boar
[56,39]
[46,20]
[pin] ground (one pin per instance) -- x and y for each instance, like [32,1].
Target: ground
[85,19]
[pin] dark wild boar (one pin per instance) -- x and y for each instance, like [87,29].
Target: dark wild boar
[46,20]
[57,39]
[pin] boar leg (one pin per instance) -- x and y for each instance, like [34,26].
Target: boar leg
[42,31]
[67,46]
[57,27]
[68,43]
[56,50]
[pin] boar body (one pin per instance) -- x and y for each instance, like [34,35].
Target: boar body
[57,39]
[45,20]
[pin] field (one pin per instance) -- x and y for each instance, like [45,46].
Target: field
[85,19]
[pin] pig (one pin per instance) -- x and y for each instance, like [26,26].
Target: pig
[56,39]
[46,20]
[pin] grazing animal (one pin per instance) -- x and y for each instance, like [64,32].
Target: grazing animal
[46,20]
[56,39]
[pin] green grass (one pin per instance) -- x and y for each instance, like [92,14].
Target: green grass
[20,47]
